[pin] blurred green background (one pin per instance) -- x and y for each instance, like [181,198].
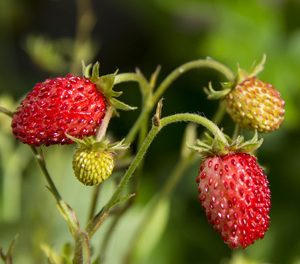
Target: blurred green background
[43,38]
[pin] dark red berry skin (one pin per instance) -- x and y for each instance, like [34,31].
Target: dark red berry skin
[235,194]
[56,107]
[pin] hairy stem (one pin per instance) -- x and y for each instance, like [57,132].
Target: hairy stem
[78,256]
[133,77]
[95,197]
[202,63]
[41,162]
[148,106]
[186,117]
[65,210]
[172,181]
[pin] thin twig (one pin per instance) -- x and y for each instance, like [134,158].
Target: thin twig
[104,124]
[95,197]
[6,111]
[38,154]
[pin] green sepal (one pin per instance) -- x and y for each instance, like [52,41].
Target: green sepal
[86,69]
[105,84]
[256,69]
[213,146]
[121,105]
[251,145]
[213,94]
[103,145]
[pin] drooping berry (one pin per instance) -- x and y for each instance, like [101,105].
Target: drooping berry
[56,107]
[91,167]
[256,105]
[234,192]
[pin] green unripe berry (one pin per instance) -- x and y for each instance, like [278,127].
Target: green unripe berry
[92,167]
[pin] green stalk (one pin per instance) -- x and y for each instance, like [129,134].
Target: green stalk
[41,162]
[65,210]
[167,189]
[186,117]
[133,77]
[207,63]
[6,111]
[94,201]
[151,102]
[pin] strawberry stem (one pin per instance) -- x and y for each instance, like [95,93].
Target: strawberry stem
[104,124]
[201,63]
[133,77]
[5,111]
[157,126]
[41,162]
[186,159]
[153,99]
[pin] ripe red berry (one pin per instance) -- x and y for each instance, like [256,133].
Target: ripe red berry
[56,107]
[234,192]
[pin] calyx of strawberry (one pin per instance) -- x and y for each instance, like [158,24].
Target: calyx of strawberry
[105,84]
[103,145]
[242,75]
[210,146]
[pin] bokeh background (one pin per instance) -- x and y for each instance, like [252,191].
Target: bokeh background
[43,38]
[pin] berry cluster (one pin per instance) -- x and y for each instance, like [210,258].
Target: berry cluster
[233,188]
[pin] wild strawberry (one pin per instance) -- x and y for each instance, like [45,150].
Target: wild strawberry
[56,107]
[92,167]
[93,161]
[66,105]
[234,192]
[257,105]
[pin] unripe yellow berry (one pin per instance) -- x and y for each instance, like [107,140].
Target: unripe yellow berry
[92,167]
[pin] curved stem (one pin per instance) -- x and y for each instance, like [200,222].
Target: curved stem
[207,63]
[41,162]
[202,63]
[133,77]
[172,181]
[138,123]
[64,208]
[94,224]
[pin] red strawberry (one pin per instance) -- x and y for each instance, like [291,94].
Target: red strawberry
[234,192]
[63,105]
